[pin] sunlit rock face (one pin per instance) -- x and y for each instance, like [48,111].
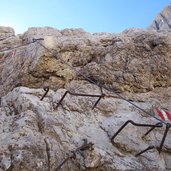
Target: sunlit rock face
[6,32]
[36,135]
[135,60]
[162,21]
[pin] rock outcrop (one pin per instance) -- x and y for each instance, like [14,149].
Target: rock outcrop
[134,61]
[35,135]
[162,21]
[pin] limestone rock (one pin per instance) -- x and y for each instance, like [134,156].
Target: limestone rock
[6,32]
[36,136]
[132,62]
[162,21]
[135,60]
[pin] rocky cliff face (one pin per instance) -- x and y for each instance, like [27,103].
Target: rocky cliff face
[134,61]
[36,135]
[163,20]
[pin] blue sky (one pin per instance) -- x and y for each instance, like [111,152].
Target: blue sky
[91,15]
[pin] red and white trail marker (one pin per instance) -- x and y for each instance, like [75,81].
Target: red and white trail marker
[13,53]
[163,114]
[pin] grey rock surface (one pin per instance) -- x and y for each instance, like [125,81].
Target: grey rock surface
[162,21]
[135,60]
[6,32]
[37,136]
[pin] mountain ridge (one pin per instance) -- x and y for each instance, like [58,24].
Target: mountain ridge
[162,21]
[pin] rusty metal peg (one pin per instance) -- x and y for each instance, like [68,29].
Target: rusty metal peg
[79,94]
[46,89]
[72,156]
[34,39]
[152,127]
[135,124]
[157,125]
[83,147]
[143,151]
[102,96]
[168,125]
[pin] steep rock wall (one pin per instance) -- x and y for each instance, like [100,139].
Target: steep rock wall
[134,61]
[35,135]
[163,20]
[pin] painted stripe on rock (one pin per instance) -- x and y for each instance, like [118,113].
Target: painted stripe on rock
[163,114]
[160,114]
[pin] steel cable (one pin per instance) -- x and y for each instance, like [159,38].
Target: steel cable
[98,84]
[16,47]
